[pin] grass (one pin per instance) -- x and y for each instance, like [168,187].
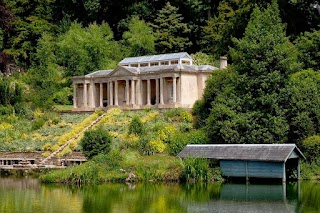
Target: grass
[62,108]
[108,168]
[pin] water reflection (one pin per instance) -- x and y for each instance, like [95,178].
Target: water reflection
[28,195]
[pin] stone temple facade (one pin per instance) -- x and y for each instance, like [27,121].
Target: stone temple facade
[157,81]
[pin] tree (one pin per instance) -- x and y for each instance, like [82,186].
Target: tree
[45,76]
[229,22]
[136,126]
[139,38]
[308,45]
[170,32]
[95,142]
[303,105]
[83,50]
[251,110]
[32,18]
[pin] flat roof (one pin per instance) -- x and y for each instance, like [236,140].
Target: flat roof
[245,152]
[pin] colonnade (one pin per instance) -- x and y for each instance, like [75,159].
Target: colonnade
[132,94]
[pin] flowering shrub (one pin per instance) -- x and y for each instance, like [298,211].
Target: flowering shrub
[150,117]
[165,132]
[155,146]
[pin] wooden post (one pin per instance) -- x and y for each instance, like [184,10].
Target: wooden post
[298,169]
[284,172]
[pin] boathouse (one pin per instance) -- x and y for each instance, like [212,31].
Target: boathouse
[250,160]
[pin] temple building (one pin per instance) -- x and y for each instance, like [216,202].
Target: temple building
[157,81]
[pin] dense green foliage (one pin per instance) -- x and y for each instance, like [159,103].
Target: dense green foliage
[260,99]
[136,126]
[95,141]
[53,40]
[170,31]
[139,38]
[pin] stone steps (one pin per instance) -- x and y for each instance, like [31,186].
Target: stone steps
[53,154]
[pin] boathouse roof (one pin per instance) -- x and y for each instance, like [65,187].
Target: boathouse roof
[245,152]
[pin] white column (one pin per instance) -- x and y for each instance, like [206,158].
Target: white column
[161,90]
[148,92]
[91,100]
[101,94]
[116,93]
[132,93]
[75,95]
[127,93]
[139,92]
[111,93]
[85,96]
[174,89]
[157,91]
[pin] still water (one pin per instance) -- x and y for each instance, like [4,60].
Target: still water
[28,195]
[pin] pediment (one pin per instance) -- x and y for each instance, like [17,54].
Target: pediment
[121,71]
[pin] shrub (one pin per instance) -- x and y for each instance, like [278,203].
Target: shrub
[185,127]
[311,147]
[6,110]
[38,123]
[95,141]
[178,141]
[154,146]
[136,126]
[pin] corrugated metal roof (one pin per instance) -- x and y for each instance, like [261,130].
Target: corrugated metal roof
[151,58]
[248,152]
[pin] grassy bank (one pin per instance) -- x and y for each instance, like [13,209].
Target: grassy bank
[145,156]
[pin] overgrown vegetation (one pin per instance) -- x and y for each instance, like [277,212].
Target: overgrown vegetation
[138,155]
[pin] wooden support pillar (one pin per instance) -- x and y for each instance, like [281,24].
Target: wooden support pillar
[284,172]
[101,94]
[116,93]
[157,91]
[148,93]
[111,93]
[127,93]
[75,86]
[298,169]
[174,89]
[85,95]
[161,91]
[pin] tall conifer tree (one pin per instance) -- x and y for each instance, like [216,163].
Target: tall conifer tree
[171,33]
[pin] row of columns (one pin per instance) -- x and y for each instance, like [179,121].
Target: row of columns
[6,162]
[113,95]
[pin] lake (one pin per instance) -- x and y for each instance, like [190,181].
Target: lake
[29,195]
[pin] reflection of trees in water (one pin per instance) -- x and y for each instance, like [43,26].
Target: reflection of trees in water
[141,198]
[28,195]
